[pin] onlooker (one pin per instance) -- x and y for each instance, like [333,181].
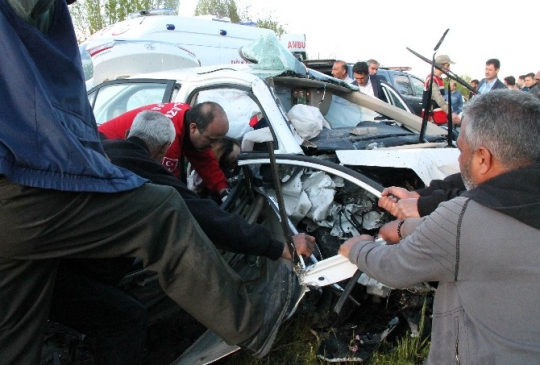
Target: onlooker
[340,71]
[521,83]
[438,112]
[491,82]
[469,245]
[368,84]
[457,98]
[510,82]
[373,66]
[474,84]
[204,124]
[62,198]
[531,82]
[537,79]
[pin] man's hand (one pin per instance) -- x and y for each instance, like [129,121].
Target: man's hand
[456,119]
[400,202]
[389,232]
[304,245]
[347,245]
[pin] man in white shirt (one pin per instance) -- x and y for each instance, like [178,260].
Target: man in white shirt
[368,84]
[340,71]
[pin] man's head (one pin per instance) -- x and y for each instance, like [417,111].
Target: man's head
[207,123]
[510,81]
[339,70]
[475,83]
[453,85]
[361,73]
[530,79]
[492,68]
[499,133]
[444,61]
[156,130]
[521,81]
[373,66]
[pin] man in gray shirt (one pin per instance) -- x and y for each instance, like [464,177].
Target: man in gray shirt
[482,247]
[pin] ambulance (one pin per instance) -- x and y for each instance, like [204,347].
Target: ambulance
[212,40]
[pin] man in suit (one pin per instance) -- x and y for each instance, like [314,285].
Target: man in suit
[491,82]
[368,84]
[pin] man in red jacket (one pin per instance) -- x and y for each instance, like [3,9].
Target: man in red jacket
[197,128]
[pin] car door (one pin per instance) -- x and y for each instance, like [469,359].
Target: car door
[394,98]
[112,98]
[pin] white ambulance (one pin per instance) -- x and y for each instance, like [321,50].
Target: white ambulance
[212,40]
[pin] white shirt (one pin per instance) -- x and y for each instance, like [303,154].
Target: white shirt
[367,89]
[348,79]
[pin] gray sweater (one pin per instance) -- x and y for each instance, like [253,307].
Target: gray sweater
[486,308]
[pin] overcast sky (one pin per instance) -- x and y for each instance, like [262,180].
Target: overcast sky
[355,30]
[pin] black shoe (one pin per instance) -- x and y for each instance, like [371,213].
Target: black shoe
[281,293]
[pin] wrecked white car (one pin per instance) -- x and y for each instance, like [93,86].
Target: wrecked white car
[316,163]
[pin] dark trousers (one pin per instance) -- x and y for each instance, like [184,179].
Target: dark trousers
[39,226]
[113,318]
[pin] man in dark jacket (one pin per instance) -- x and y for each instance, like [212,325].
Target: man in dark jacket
[491,82]
[113,318]
[368,84]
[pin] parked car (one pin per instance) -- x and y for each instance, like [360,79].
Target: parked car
[408,85]
[327,184]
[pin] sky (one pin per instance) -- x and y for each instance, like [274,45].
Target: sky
[355,30]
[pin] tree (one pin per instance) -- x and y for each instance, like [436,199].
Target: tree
[268,23]
[229,9]
[220,8]
[89,16]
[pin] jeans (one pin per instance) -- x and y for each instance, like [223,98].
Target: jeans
[38,227]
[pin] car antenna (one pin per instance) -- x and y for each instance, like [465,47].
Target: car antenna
[427,103]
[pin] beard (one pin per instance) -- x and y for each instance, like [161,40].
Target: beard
[466,174]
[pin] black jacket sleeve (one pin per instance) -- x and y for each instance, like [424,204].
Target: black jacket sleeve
[439,191]
[226,230]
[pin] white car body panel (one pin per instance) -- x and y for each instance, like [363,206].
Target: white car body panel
[428,163]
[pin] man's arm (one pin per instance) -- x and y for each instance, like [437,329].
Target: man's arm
[208,169]
[428,254]
[453,181]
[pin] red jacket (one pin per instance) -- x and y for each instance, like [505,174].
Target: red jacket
[203,162]
[438,115]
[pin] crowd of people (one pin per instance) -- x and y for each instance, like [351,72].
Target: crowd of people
[79,204]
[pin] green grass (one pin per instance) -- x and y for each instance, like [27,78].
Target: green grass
[297,344]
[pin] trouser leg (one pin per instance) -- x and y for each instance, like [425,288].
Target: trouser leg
[151,222]
[25,295]
[113,318]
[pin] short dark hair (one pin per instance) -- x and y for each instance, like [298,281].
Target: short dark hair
[530,74]
[495,62]
[522,77]
[510,80]
[224,148]
[203,114]
[361,68]
[475,81]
